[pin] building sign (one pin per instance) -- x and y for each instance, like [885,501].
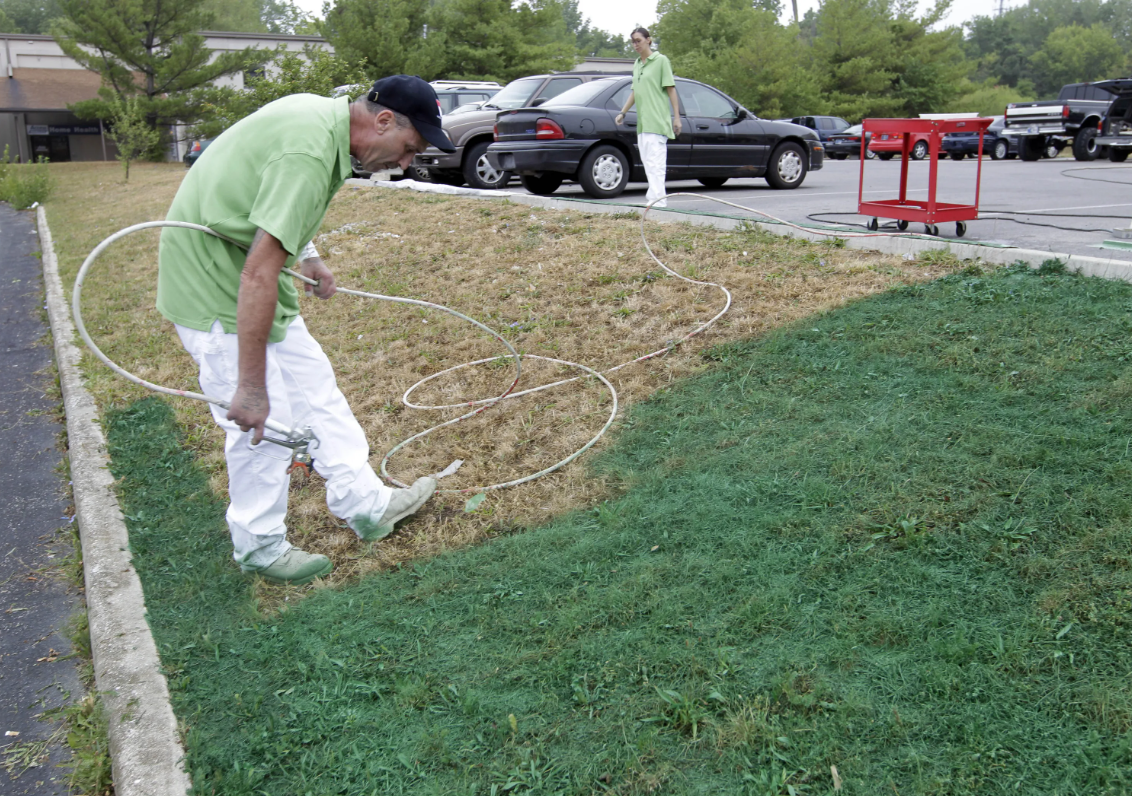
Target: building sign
[63,129]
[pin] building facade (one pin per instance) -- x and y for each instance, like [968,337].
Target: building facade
[38,81]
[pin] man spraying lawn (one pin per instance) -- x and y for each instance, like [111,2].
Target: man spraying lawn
[266,183]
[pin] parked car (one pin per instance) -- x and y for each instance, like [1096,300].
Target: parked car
[998,142]
[889,145]
[471,132]
[453,94]
[575,137]
[1072,118]
[847,143]
[195,151]
[825,126]
[1116,129]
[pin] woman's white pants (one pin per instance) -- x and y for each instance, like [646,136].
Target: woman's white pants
[654,157]
[303,392]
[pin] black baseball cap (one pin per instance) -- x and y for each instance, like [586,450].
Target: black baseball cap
[413,97]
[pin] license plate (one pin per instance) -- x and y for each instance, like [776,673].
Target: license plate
[884,137]
[1033,129]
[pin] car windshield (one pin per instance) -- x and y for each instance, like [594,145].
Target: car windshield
[515,94]
[580,95]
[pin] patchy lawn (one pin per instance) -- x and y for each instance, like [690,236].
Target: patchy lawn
[882,549]
[568,285]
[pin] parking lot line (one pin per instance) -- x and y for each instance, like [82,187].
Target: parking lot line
[1079,207]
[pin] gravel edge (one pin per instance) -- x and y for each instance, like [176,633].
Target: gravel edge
[145,748]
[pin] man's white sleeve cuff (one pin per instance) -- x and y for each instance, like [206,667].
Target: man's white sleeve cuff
[308,252]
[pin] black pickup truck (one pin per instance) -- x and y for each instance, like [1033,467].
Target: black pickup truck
[1116,129]
[1071,119]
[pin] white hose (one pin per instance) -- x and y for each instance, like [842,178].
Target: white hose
[480,405]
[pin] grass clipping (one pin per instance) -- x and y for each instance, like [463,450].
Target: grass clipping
[568,285]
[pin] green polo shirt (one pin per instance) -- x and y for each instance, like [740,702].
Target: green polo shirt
[651,79]
[275,170]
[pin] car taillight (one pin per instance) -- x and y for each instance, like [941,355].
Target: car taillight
[1064,111]
[548,129]
[196,146]
[495,131]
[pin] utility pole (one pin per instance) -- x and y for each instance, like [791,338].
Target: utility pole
[795,2]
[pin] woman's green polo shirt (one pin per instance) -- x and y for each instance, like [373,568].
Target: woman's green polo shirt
[651,79]
[275,170]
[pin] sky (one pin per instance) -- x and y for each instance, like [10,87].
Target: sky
[621,16]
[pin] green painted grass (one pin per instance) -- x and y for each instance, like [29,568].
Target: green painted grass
[893,539]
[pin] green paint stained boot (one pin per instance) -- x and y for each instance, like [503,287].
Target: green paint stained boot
[296,567]
[403,503]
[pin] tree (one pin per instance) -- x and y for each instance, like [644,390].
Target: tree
[147,49]
[590,40]
[255,16]
[383,33]
[1075,54]
[30,16]
[458,39]
[130,132]
[315,72]
[743,51]
[853,52]
[986,99]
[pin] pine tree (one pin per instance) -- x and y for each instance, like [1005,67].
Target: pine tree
[148,49]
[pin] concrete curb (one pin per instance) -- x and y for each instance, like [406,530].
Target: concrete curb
[145,748]
[995,255]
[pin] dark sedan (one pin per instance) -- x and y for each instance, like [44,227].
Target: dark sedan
[847,144]
[998,142]
[574,136]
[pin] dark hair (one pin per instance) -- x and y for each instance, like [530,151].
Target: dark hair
[643,31]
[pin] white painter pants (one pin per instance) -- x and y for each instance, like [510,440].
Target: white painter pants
[303,392]
[654,156]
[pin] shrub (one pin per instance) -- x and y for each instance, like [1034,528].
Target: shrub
[22,186]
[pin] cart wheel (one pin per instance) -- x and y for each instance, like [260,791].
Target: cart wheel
[931,229]
[902,225]
[960,228]
[873,225]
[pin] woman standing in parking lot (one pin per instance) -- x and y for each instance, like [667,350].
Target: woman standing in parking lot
[654,89]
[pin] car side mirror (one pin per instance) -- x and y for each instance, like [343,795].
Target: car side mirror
[742,114]
[536,103]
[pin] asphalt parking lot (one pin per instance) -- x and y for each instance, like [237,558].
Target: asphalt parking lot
[1097,195]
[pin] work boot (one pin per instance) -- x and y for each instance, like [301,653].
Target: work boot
[403,503]
[296,567]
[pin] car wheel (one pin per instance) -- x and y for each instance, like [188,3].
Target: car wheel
[957,156]
[479,172]
[542,185]
[919,150]
[1085,144]
[1117,155]
[421,174]
[787,166]
[869,154]
[886,155]
[1052,150]
[604,172]
[1032,148]
[999,150]
[712,182]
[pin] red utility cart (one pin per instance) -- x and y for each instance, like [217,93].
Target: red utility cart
[929,212]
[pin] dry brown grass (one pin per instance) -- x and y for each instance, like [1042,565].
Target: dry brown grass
[563,284]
